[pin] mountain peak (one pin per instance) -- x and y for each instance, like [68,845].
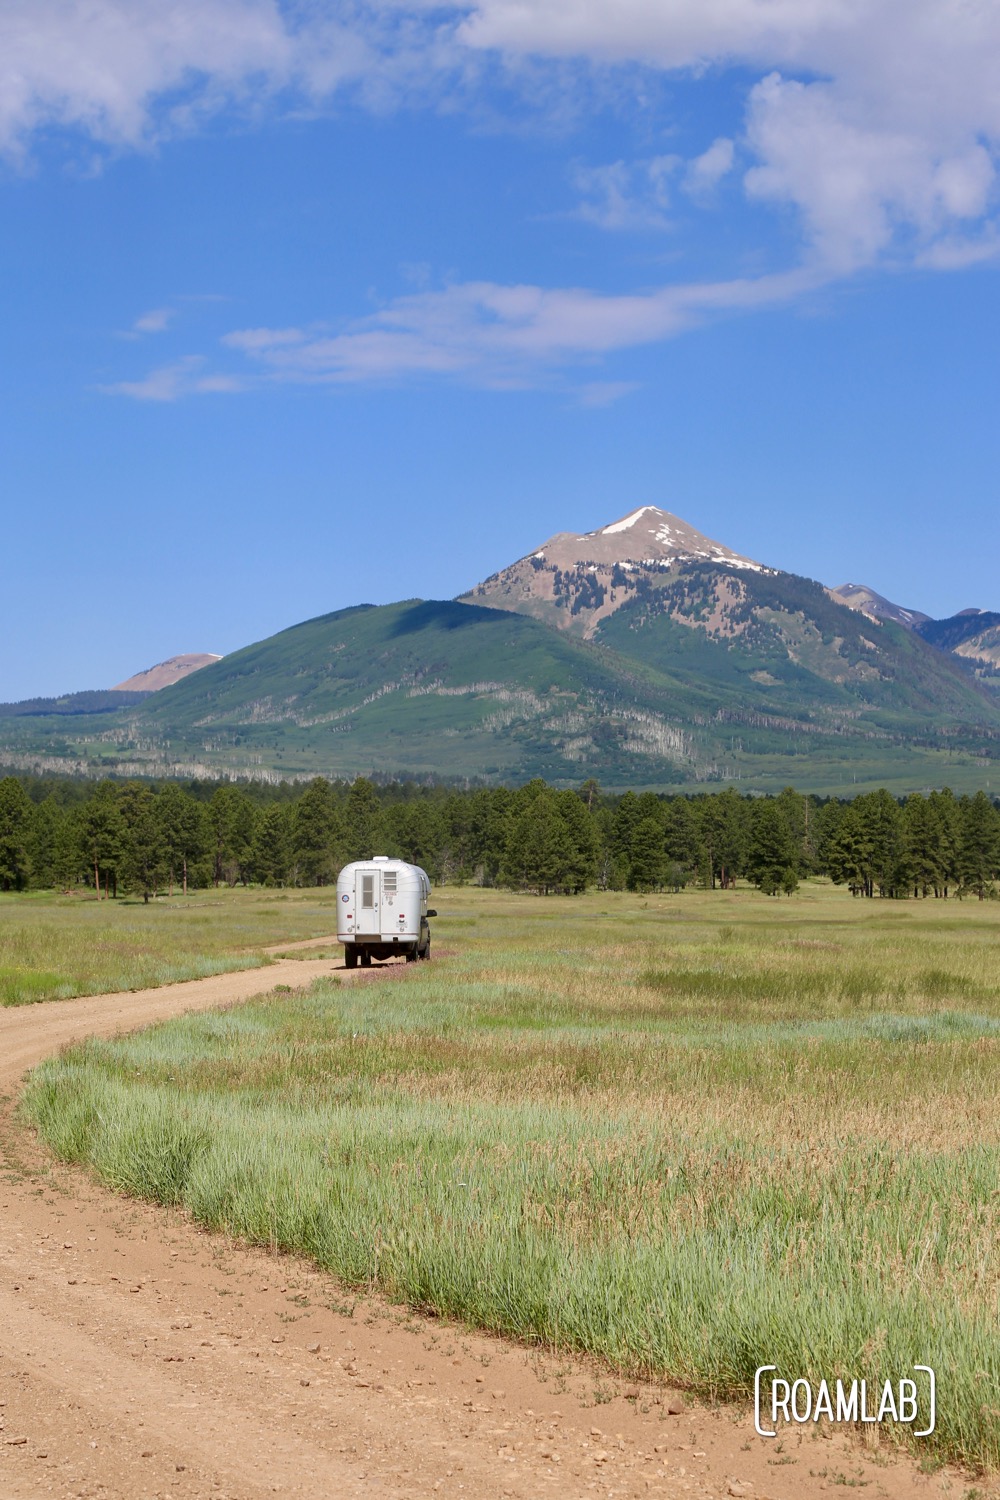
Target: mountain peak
[876,606]
[646,536]
[577,579]
[165,673]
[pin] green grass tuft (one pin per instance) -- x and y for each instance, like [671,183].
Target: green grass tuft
[689,1153]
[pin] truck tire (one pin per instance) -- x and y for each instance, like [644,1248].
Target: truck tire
[366,959]
[427,950]
[350,956]
[411,954]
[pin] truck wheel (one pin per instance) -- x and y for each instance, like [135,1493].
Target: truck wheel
[366,959]
[350,957]
[427,950]
[411,955]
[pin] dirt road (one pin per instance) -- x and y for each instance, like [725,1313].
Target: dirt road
[140,1356]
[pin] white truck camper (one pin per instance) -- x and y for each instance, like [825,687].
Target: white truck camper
[382,910]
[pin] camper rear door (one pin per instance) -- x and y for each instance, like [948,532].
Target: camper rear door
[368,901]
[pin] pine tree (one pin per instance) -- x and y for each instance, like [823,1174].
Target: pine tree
[414,831]
[884,834]
[102,837]
[771,851]
[184,831]
[647,861]
[69,861]
[362,821]
[272,849]
[681,836]
[15,830]
[590,793]
[143,865]
[580,842]
[475,843]
[538,851]
[795,810]
[849,853]
[978,861]
[43,841]
[315,828]
[723,821]
[233,821]
[922,866]
[626,818]
[944,827]
[545,848]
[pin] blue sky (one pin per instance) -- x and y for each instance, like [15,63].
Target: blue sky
[313,304]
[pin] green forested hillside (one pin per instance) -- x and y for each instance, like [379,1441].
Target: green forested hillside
[788,646]
[104,700]
[429,687]
[949,634]
[801,690]
[974,641]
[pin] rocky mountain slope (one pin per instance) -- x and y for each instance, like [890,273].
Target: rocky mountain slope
[575,581]
[166,673]
[973,636]
[653,588]
[876,606]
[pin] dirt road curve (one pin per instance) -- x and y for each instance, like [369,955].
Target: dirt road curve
[142,1357]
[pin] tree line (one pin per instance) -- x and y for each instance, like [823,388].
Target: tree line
[146,839]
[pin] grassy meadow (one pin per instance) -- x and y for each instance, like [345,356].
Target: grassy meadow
[54,947]
[689,1134]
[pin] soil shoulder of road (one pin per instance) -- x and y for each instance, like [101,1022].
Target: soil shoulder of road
[142,1355]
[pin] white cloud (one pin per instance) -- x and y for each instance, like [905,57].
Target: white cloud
[183,377]
[260,340]
[625,195]
[480,333]
[157,320]
[957,253]
[596,393]
[879,120]
[683,34]
[101,65]
[503,336]
[858,185]
[706,171]
[126,72]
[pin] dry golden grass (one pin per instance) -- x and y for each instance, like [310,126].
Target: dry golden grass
[54,947]
[691,1134]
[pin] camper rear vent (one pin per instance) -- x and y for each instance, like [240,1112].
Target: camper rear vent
[389,882]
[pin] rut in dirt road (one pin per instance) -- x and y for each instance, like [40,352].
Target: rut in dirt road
[142,1356]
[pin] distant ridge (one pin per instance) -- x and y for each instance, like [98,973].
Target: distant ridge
[973,635]
[165,673]
[876,606]
[101,701]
